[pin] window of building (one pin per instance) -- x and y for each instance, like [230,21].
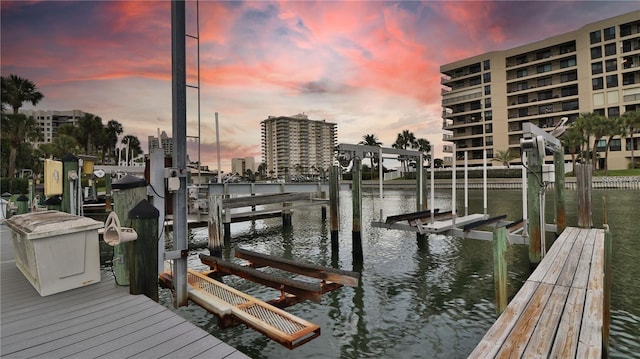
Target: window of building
[568,76]
[487,102]
[488,128]
[544,68]
[597,84]
[488,140]
[487,90]
[545,109]
[543,54]
[521,73]
[596,68]
[615,145]
[601,145]
[488,115]
[599,111]
[569,91]
[595,36]
[523,112]
[596,52]
[474,68]
[568,47]
[613,112]
[625,30]
[546,81]
[474,81]
[486,64]
[545,95]
[521,86]
[612,81]
[521,60]
[628,78]
[570,105]
[610,33]
[611,65]
[610,49]
[486,77]
[523,98]
[568,62]
[475,105]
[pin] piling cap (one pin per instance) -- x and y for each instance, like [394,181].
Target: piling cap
[53,201]
[22,198]
[129,181]
[144,210]
[69,158]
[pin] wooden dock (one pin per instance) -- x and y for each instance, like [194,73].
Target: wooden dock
[562,310]
[101,319]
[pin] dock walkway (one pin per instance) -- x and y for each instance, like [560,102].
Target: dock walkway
[99,320]
[561,311]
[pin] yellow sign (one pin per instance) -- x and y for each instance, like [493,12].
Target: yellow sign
[52,177]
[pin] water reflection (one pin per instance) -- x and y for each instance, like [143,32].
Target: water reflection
[421,298]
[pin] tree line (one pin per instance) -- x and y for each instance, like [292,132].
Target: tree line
[19,132]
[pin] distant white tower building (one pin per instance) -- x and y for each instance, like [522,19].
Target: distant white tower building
[295,145]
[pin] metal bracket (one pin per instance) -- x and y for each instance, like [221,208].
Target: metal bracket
[178,254]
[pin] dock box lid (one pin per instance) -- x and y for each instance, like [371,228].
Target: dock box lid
[50,223]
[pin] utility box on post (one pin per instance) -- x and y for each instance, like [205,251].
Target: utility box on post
[56,251]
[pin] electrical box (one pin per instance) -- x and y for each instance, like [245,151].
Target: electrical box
[173,184]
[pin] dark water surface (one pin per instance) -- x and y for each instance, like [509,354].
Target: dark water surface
[423,299]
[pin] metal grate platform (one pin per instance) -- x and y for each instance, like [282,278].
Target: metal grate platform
[273,322]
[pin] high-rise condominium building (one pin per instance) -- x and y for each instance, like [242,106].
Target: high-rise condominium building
[241,165]
[296,145]
[49,121]
[487,98]
[163,141]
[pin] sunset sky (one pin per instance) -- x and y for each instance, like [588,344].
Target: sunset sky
[369,66]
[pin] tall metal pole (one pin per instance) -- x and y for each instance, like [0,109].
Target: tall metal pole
[218,148]
[179,122]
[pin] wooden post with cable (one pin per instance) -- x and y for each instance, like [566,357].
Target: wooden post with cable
[143,269]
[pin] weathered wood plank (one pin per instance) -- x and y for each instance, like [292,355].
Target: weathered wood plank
[568,272]
[501,329]
[581,278]
[590,344]
[541,339]
[516,343]
[550,259]
[566,342]
[554,271]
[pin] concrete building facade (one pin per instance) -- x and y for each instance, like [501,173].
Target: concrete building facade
[241,165]
[295,145]
[164,140]
[49,121]
[487,98]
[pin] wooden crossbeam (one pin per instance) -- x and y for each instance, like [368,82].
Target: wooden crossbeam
[264,199]
[310,270]
[307,290]
[410,216]
[469,226]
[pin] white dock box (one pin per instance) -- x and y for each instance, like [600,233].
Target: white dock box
[56,251]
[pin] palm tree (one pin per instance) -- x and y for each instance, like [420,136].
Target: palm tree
[438,163]
[14,92]
[405,139]
[572,140]
[423,145]
[90,132]
[505,156]
[133,146]
[371,140]
[60,146]
[112,131]
[594,125]
[631,120]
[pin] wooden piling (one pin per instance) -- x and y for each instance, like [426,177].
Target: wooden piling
[143,269]
[356,197]
[286,215]
[583,191]
[107,192]
[216,233]
[561,212]
[500,267]
[23,204]
[128,192]
[534,177]
[323,209]
[334,208]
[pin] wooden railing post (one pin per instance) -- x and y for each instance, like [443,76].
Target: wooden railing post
[334,224]
[561,212]
[356,197]
[216,232]
[608,278]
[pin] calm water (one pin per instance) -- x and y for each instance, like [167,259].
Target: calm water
[422,299]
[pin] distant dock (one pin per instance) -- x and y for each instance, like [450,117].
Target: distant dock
[101,319]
